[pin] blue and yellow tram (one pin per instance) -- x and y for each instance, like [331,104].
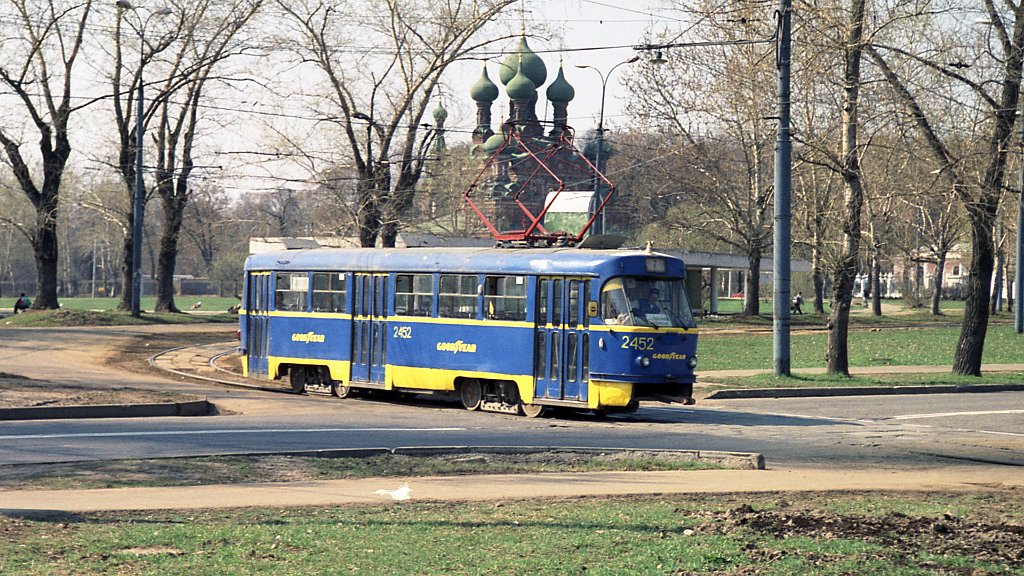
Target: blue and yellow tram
[501,329]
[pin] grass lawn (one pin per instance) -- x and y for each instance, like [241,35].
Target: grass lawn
[798,380]
[880,347]
[952,313]
[822,534]
[72,317]
[207,303]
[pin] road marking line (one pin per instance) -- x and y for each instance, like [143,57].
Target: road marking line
[1000,433]
[237,431]
[948,414]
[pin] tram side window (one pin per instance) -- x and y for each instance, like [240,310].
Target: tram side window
[329,292]
[291,291]
[414,294]
[457,296]
[505,297]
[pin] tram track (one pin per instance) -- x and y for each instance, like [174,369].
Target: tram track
[160,361]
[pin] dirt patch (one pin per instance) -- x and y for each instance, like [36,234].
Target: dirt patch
[18,392]
[133,356]
[1000,543]
[284,468]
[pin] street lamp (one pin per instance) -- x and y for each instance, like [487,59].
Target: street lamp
[599,158]
[139,204]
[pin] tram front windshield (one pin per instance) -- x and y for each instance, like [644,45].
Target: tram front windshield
[633,301]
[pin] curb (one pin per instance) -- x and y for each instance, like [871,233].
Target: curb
[736,394]
[194,408]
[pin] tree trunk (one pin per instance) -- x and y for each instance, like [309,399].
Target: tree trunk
[44,247]
[751,302]
[969,348]
[937,279]
[996,305]
[174,208]
[818,277]
[876,274]
[370,196]
[837,355]
[1008,274]
[125,303]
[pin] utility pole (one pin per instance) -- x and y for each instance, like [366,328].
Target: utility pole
[783,197]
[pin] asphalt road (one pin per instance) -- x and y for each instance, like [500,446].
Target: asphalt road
[917,431]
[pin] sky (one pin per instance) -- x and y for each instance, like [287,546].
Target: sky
[577,32]
[596,33]
[585,33]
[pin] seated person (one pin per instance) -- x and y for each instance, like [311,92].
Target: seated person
[650,306]
[22,304]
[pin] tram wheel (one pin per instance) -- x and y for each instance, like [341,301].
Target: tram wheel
[471,394]
[340,390]
[297,378]
[531,410]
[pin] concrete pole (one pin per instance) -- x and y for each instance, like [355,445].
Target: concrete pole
[140,198]
[783,187]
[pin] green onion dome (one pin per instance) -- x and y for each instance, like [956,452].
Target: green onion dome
[591,147]
[520,87]
[533,66]
[493,143]
[483,90]
[560,90]
[440,114]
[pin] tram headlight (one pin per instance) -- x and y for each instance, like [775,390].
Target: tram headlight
[644,361]
[692,362]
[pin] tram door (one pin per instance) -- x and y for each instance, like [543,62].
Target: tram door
[258,297]
[369,328]
[562,337]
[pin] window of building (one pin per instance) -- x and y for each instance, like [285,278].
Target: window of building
[457,296]
[505,297]
[329,292]
[292,289]
[414,294]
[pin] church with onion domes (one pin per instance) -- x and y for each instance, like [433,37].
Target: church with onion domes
[532,166]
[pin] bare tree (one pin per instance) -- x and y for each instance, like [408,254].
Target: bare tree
[37,65]
[207,38]
[379,100]
[977,180]
[722,128]
[182,59]
[206,222]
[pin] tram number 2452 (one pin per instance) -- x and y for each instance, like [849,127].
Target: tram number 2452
[402,331]
[637,343]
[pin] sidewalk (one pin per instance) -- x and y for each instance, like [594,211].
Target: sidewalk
[503,487]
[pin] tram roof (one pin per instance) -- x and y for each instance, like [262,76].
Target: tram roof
[461,260]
